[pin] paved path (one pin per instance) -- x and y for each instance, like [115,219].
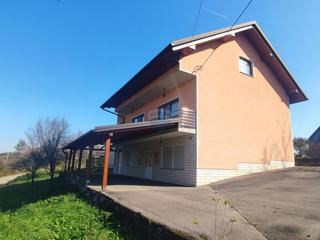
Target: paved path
[275,205]
[6,179]
[283,204]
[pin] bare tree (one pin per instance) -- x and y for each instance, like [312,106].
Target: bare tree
[52,134]
[301,146]
[30,153]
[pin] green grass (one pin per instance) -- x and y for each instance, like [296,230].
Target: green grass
[51,210]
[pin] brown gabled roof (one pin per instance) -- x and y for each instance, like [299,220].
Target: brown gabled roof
[168,58]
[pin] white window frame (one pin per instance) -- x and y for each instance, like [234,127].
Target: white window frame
[251,65]
[172,146]
[173,158]
[138,115]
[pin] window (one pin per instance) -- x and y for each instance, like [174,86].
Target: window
[169,110]
[245,66]
[178,157]
[167,157]
[139,118]
[173,157]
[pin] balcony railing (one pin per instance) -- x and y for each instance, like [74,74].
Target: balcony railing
[186,116]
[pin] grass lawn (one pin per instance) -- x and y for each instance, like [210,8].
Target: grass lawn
[51,210]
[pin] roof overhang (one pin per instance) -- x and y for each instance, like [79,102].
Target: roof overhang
[123,133]
[170,56]
[262,45]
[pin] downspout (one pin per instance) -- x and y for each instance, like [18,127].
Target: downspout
[114,113]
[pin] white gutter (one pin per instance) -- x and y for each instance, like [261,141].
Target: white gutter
[207,39]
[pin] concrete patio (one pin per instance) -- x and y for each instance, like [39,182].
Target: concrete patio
[280,204]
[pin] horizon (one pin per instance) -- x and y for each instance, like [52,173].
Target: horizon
[67,65]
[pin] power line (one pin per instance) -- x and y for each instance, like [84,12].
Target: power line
[199,67]
[197,19]
[243,11]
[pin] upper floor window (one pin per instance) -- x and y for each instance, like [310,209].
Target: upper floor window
[245,66]
[169,110]
[139,118]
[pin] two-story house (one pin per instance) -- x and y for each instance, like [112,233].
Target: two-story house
[209,107]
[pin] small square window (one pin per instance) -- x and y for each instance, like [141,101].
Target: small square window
[245,66]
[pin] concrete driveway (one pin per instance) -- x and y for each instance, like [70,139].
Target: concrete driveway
[282,204]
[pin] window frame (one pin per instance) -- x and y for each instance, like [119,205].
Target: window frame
[241,58]
[174,159]
[138,117]
[169,104]
[162,154]
[172,164]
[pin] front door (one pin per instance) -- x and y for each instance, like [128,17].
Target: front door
[148,159]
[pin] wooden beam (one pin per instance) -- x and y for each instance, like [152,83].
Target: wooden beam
[89,164]
[66,162]
[79,161]
[106,163]
[69,160]
[73,159]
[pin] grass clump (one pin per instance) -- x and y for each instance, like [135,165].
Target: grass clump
[50,210]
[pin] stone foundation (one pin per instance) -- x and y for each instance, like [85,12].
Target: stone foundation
[206,176]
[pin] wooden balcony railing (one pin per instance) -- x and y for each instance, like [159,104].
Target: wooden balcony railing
[186,116]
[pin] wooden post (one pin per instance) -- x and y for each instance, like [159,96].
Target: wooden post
[69,161]
[89,164]
[106,163]
[79,161]
[66,162]
[73,159]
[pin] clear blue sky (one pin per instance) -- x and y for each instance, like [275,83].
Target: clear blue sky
[64,58]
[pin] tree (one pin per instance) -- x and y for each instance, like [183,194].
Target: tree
[30,153]
[301,146]
[52,134]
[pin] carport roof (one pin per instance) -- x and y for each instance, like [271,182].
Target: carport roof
[123,132]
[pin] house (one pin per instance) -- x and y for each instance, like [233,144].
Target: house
[315,144]
[206,108]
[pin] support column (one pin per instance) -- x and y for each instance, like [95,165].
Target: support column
[89,164]
[106,163]
[79,161]
[73,159]
[69,160]
[65,162]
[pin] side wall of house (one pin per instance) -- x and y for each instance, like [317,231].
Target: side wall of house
[134,164]
[243,121]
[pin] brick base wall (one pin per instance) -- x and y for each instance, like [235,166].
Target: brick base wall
[206,176]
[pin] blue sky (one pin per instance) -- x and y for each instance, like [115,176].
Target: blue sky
[64,58]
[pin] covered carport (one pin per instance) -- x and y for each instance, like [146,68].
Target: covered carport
[105,138]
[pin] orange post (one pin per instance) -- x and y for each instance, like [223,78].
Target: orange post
[106,163]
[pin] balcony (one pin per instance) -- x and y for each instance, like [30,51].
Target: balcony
[185,117]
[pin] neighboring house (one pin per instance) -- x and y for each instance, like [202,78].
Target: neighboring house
[315,144]
[209,107]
